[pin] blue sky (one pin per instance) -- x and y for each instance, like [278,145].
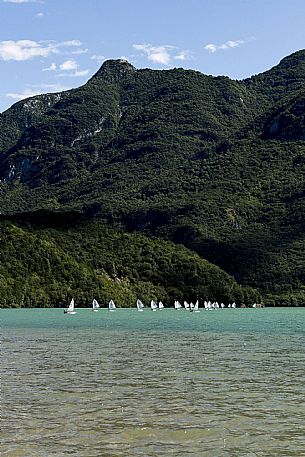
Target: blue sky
[53,45]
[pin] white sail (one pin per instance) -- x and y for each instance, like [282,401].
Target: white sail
[196,307]
[192,306]
[177,305]
[70,309]
[111,306]
[153,305]
[186,305]
[95,305]
[161,306]
[140,305]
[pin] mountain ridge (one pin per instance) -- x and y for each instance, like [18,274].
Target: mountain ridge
[213,163]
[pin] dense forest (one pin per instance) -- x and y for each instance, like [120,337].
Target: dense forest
[48,258]
[207,163]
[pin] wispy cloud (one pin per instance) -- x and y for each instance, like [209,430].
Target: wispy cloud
[164,54]
[37,90]
[80,51]
[99,58]
[24,94]
[21,50]
[231,44]
[156,54]
[71,68]
[68,65]
[40,15]
[74,74]
[22,1]
[70,43]
[182,55]
[25,49]
[52,67]
[79,73]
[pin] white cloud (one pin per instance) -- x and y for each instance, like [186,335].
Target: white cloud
[80,51]
[68,65]
[163,54]
[183,55]
[25,49]
[79,73]
[157,54]
[227,45]
[24,94]
[21,50]
[22,1]
[100,59]
[70,43]
[52,67]
[74,74]
[37,90]
[71,66]
[39,14]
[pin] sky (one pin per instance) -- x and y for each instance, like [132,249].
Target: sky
[54,45]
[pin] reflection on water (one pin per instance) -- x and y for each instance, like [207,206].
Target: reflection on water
[137,384]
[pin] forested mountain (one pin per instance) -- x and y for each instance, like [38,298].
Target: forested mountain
[48,258]
[208,162]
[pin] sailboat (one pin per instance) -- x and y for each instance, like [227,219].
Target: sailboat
[196,307]
[95,305]
[161,306]
[70,309]
[186,305]
[140,305]
[177,305]
[111,306]
[192,306]
[153,305]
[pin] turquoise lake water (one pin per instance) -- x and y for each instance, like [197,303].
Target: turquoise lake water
[225,383]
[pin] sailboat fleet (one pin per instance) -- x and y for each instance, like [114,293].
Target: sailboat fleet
[192,307]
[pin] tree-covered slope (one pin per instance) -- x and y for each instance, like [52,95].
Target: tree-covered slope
[214,164]
[48,258]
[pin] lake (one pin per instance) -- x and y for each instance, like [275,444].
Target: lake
[221,383]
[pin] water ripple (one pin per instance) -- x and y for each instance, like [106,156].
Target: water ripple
[217,384]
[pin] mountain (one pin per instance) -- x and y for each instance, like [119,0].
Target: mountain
[48,258]
[208,162]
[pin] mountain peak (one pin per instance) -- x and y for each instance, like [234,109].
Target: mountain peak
[114,70]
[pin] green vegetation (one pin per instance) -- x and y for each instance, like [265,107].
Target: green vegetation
[47,258]
[209,163]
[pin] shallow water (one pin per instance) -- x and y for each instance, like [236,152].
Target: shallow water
[222,383]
